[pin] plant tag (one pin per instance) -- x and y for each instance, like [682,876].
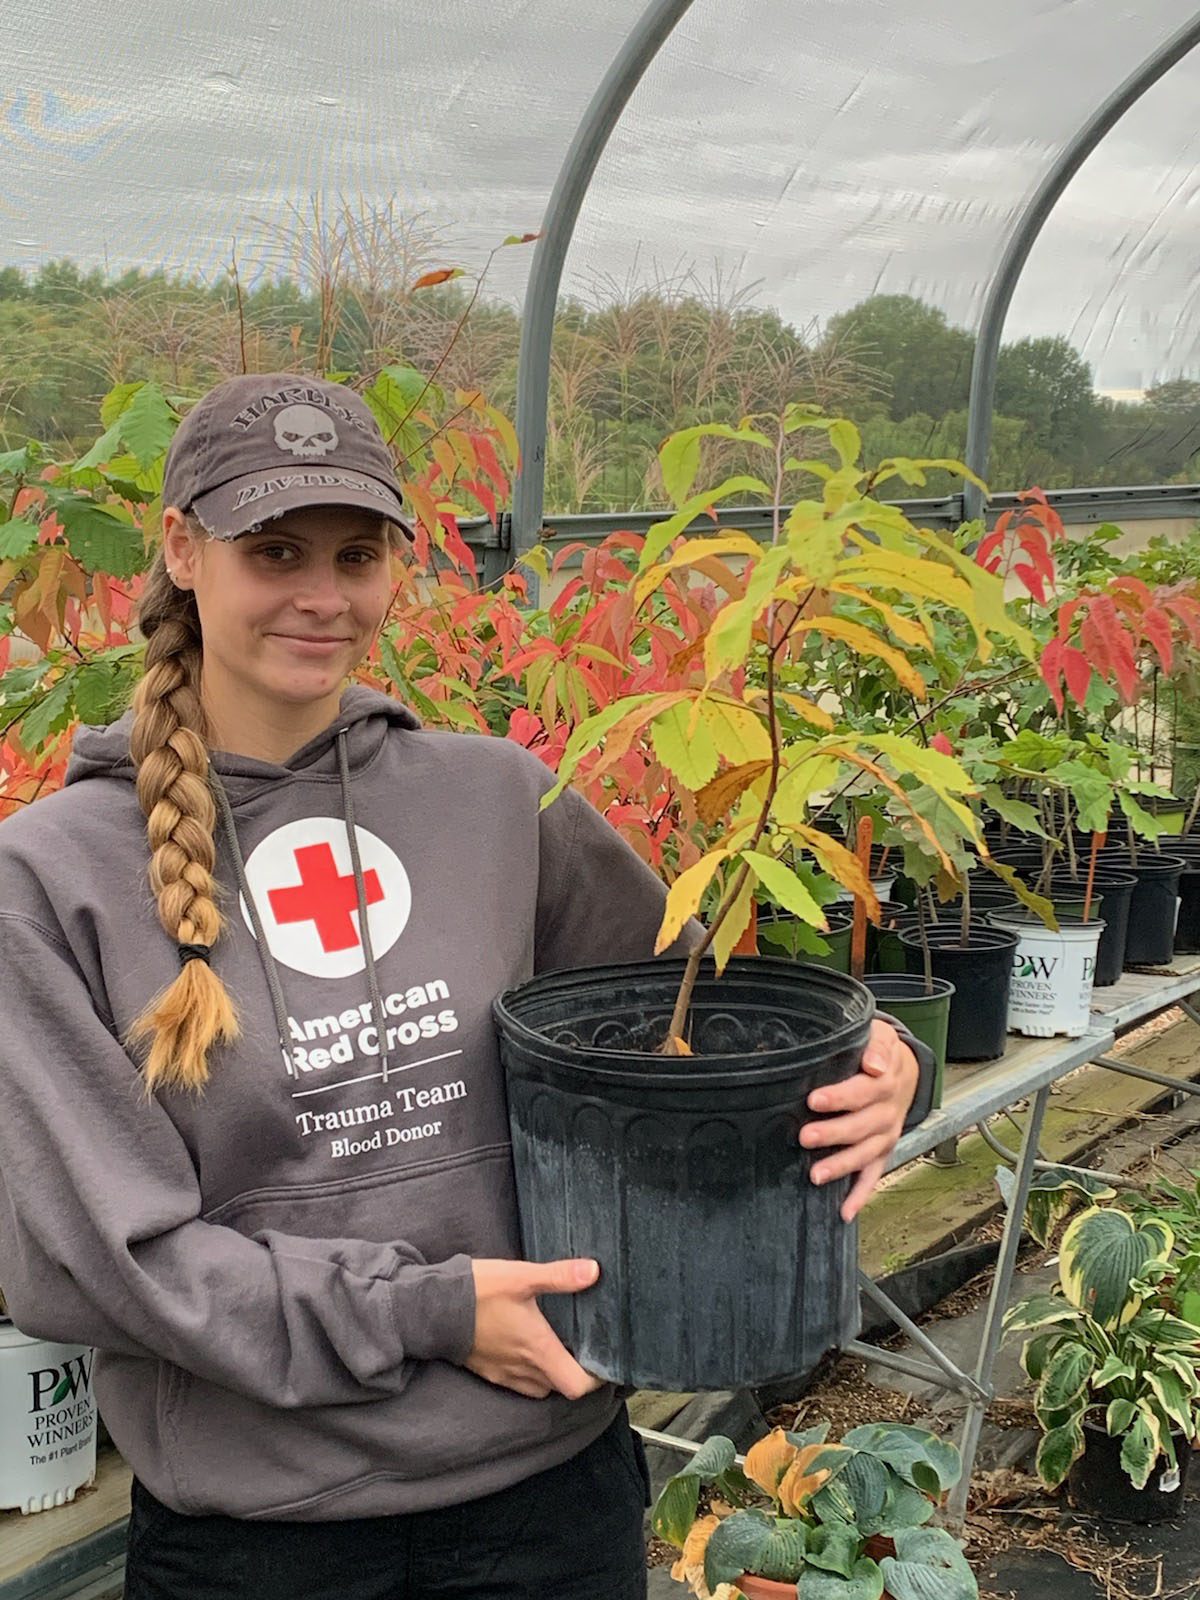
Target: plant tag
[1169,1481]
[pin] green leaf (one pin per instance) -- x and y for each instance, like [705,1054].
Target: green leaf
[834,1548]
[661,534]
[20,463]
[104,449]
[1119,1416]
[1102,1252]
[782,1557]
[1139,1451]
[928,1565]
[729,635]
[735,1546]
[864,1583]
[903,1447]
[814,1435]
[101,690]
[675,1509]
[1059,1447]
[101,539]
[1066,1376]
[116,401]
[690,753]
[857,1493]
[50,715]
[784,887]
[846,440]
[1017,812]
[147,425]
[17,538]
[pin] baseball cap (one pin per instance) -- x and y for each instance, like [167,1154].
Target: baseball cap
[259,445]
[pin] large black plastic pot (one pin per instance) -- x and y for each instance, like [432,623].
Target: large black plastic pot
[927,1016]
[722,1265]
[1098,1484]
[1150,941]
[1112,894]
[981,973]
[1187,930]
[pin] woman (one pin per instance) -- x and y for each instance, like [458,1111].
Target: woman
[253,1143]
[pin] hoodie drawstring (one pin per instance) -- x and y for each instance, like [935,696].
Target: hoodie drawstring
[270,969]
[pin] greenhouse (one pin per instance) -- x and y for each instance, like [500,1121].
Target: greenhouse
[600,801]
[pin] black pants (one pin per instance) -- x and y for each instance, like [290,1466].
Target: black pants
[572,1533]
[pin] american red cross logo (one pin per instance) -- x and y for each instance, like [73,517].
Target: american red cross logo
[323,896]
[301,879]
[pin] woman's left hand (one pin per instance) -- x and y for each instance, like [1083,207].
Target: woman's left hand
[868,1115]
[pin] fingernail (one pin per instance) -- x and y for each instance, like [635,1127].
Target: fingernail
[586,1272]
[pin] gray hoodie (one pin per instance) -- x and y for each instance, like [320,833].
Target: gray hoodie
[276,1273]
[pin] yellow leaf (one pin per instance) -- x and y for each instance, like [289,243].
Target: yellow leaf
[687,750]
[840,863]
[865,643]
[784,887]
[808,709]
[537,559]
[814,541]
[715,799]
[689,1568]
[799,1483]
[907,629]
[739,733]
[735,924]
[733,542]
[769,1459]
[684,897]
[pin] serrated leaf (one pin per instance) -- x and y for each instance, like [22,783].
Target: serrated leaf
[740,735]
[147,425]
[688,752]
[716,798]
[100,539]
[49,715]
[684,897]
[785,888]
[734,924]
[17,538]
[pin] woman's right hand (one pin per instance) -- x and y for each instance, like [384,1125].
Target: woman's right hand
[514,1344]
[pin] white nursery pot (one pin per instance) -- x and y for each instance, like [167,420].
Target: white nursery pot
[882,887]
[47,1421]
[1052,972]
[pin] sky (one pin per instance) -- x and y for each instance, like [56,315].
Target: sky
[806,153]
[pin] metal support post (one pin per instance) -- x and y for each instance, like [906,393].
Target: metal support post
[1021,241]
[1006,1262]
[541,297]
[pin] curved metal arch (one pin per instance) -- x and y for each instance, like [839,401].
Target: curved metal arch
[541,296]
[981,400]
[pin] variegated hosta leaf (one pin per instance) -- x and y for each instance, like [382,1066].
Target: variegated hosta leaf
[1039,1311]
[1102,1252]
[1066,1376]
[1059,1447]
[1141,1448]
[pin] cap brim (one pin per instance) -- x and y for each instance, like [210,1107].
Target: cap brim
[248,503]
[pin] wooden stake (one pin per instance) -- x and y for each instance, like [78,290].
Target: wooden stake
[1099,840]
[858,932]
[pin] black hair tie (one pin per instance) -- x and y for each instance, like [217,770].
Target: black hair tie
[195,952]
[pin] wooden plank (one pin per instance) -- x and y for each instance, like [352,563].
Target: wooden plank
[27,1540]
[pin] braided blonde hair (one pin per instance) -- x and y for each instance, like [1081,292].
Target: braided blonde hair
[168,744]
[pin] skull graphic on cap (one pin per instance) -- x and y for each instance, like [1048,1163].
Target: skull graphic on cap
[305,431]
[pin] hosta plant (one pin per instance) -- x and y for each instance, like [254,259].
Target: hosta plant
[1109,1348]
[755,737]
[848,1521]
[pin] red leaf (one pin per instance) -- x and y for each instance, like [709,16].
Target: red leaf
[1077,670]
[940,742]
[1066,614]
[988,548]
[429,280]
[1051,670]
[1188,613]
[1032,581]
[1135,586]
[1119,645]
[563,600]
[1156,627]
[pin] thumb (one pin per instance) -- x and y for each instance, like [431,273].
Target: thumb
[563,1277]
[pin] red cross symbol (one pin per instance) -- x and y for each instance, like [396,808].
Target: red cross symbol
[325,897]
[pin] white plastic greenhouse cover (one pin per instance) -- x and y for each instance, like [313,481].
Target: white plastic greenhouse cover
[823,151]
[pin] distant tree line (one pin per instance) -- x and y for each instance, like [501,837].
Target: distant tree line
[629,366]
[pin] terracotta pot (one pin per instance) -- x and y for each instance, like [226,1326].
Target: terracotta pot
[765,1588]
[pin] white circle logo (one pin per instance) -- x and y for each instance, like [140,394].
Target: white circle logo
[302,880]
